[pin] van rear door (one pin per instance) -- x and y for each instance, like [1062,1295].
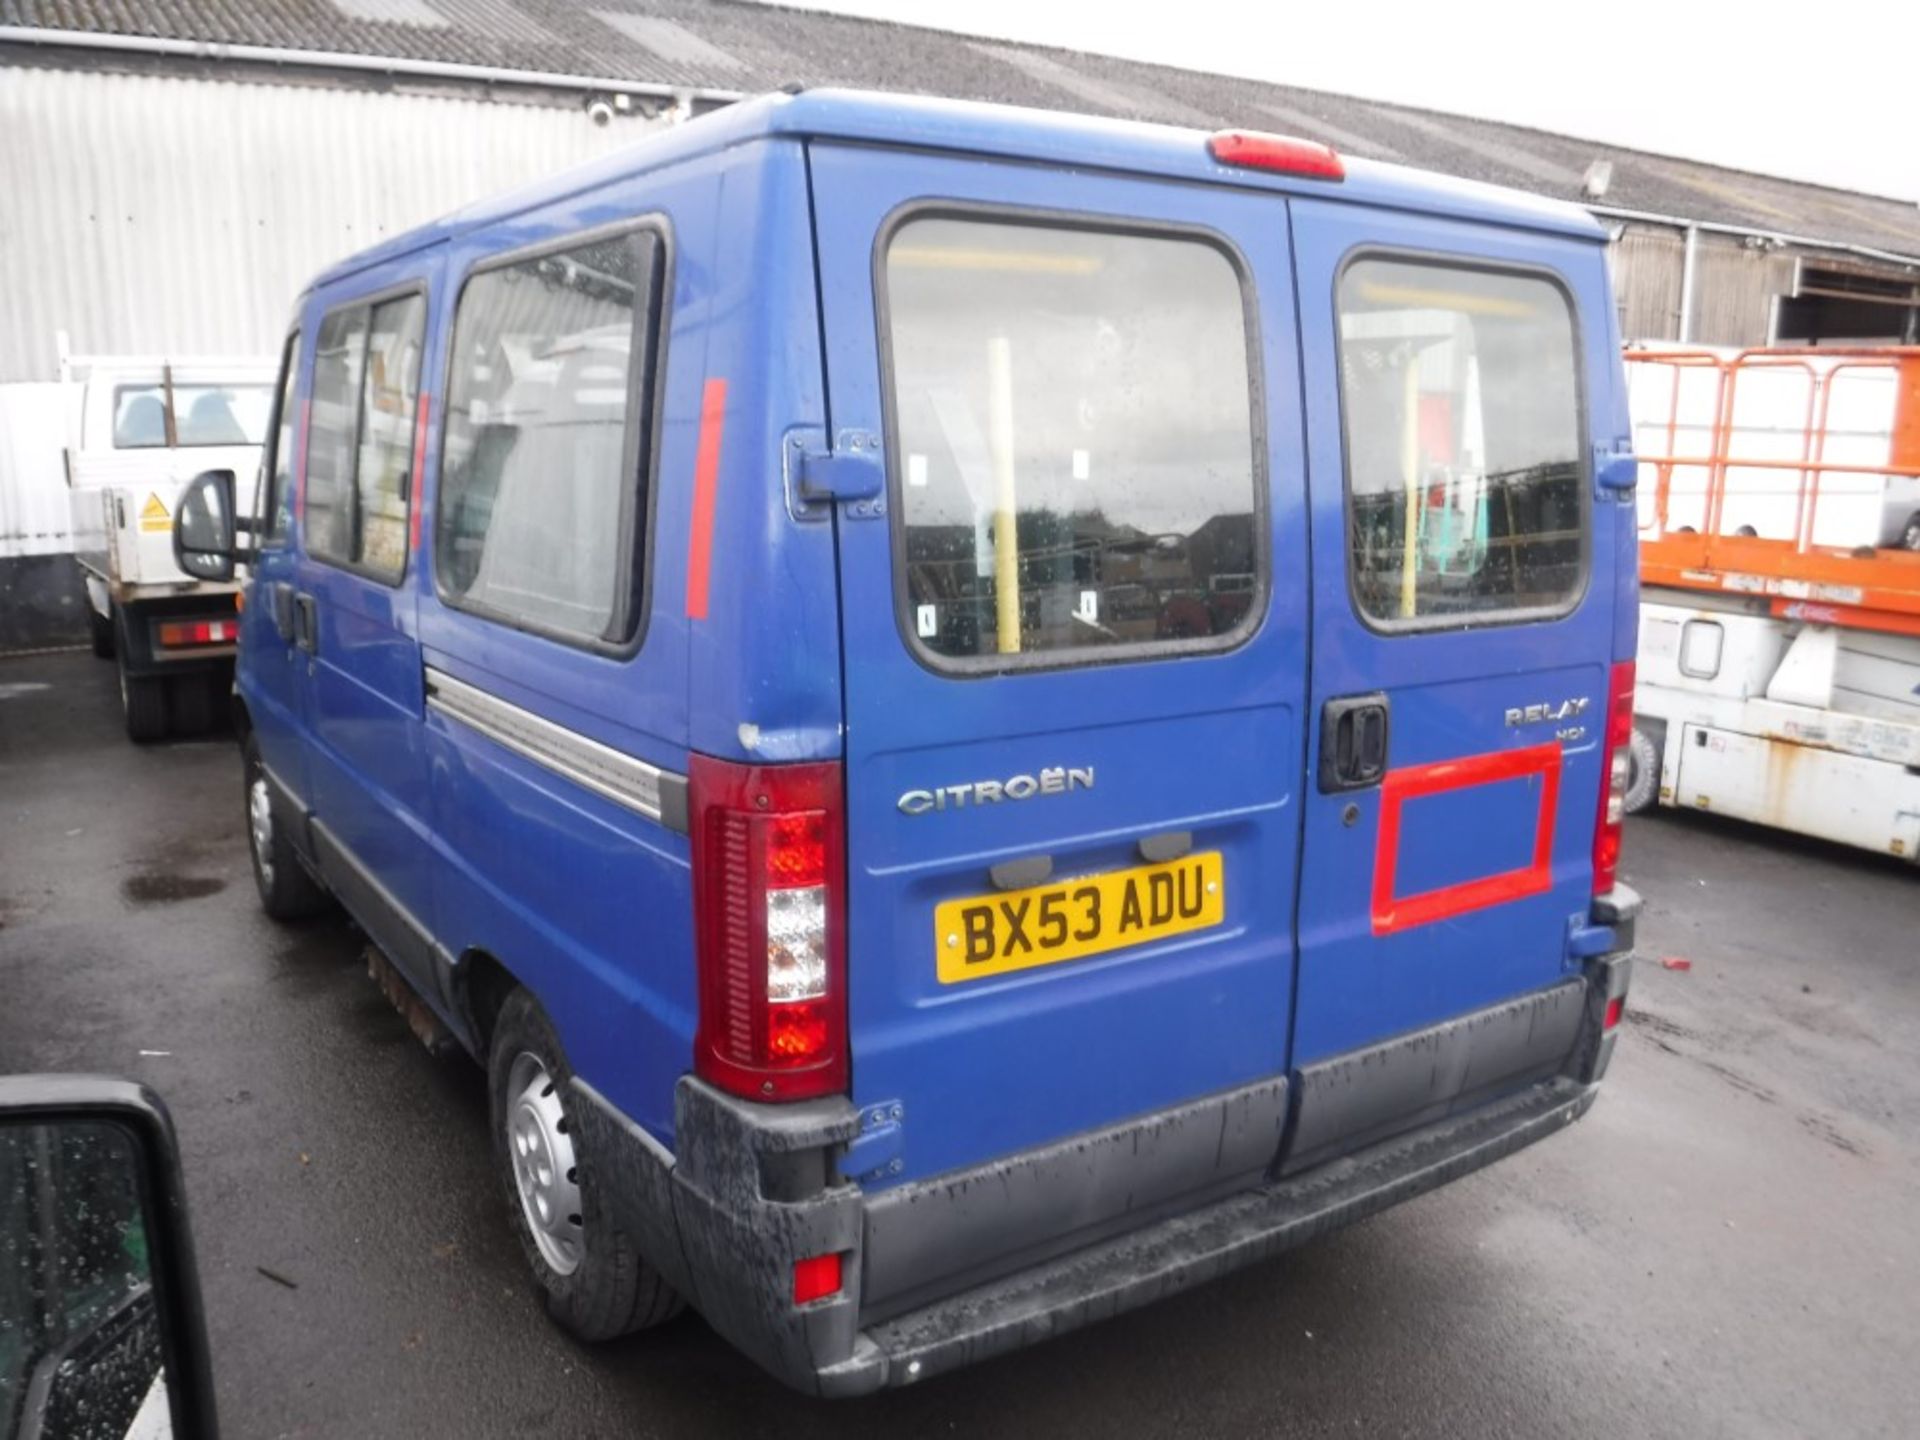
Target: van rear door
[1464,620]
[1074,632]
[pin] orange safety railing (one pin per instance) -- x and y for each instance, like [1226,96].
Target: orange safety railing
[1816,548]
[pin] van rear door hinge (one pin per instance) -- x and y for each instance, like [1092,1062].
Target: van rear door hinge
[853,470]
[874,1153]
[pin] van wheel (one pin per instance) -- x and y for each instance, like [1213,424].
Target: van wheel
[287,891]
[1910,537]
[143,701]
[100,633]
[1643,771]
[595,1283]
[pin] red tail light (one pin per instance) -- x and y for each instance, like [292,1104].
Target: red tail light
[1258,150]
[1613,788]
[769,897]
[176,634]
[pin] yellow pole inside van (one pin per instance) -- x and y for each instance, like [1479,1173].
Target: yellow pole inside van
[1410,477]
[1006,540]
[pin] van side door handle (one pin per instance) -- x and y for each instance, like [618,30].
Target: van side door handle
[280,603]
[306,624]
[1353,742]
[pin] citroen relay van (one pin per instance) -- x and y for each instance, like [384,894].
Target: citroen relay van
[978,716]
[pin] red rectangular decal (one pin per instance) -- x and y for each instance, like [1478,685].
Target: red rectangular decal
[706,484]
[1393,912]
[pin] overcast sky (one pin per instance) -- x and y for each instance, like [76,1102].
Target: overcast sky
[1811,92]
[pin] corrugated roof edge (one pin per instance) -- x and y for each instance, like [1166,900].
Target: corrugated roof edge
[976,127]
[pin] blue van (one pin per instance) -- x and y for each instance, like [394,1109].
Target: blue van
[978,716]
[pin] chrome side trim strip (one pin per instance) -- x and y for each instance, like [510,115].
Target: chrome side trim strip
[629,782]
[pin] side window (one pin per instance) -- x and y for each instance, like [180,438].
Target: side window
[1073,417]
[543,494]
[1465,480]
[332,432]
[366,389]
[389,400]
[276,497]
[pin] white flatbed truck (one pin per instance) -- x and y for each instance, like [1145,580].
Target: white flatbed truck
[1779,663]
[139,428]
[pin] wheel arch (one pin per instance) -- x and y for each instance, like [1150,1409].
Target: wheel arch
[482,982]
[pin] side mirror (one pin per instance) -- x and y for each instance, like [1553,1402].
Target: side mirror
[203,526]
[101,1331]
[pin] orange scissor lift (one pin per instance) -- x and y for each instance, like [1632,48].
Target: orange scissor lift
[1779,510]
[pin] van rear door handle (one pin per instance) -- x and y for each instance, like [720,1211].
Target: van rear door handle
[1353,742]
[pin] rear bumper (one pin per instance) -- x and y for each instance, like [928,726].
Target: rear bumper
[945,1272]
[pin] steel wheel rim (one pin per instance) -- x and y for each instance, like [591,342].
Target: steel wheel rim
[544,1163]
[260,827]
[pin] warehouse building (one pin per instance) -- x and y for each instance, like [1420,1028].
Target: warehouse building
[175,169]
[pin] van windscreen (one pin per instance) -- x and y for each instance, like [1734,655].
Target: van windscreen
[1073,440]
[1465,481]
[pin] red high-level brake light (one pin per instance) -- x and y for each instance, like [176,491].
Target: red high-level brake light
[1282,154]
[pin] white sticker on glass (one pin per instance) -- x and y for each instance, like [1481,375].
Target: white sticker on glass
[928,621]
[1089,606]
[1082,464]
[917,471]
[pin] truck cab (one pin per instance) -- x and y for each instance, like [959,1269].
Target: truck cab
[976,715]
[139,428]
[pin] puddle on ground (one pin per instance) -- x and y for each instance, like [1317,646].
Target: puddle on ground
[159,889]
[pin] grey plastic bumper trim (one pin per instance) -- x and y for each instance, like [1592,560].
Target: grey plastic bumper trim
[624,779]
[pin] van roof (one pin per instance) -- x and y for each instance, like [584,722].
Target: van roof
[970,127]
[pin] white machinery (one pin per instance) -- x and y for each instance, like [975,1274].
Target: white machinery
[1779,670]
[138,430]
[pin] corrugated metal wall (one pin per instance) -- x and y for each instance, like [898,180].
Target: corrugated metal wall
[1647,266]
[1733,291]
[150,214]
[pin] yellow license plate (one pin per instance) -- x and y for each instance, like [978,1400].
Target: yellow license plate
[1071,919]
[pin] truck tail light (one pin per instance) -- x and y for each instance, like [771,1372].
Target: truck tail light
[769,898]
[179,634]
[1613,793]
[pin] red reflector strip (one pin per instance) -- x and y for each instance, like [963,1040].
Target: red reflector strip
[1614,1008]
[706,485]
[1282,154]
[1393,912]
[815,1278]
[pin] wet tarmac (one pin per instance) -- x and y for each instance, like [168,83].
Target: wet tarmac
[1728,1245]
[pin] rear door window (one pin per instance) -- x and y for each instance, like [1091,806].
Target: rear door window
[542,511]
[1466,485]
[1075,452]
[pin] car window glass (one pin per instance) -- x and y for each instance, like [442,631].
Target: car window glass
[542,502]
[332,432]
[389,399]
[1462,416]
[139,417]
[277,502]
[1074,425]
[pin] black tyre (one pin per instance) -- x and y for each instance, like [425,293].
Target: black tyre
[190,701]
[1910,537]
[143,701]
[595,1284]
[287,891]
[100,633]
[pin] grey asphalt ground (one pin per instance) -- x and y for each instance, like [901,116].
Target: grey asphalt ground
[1728,1245]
